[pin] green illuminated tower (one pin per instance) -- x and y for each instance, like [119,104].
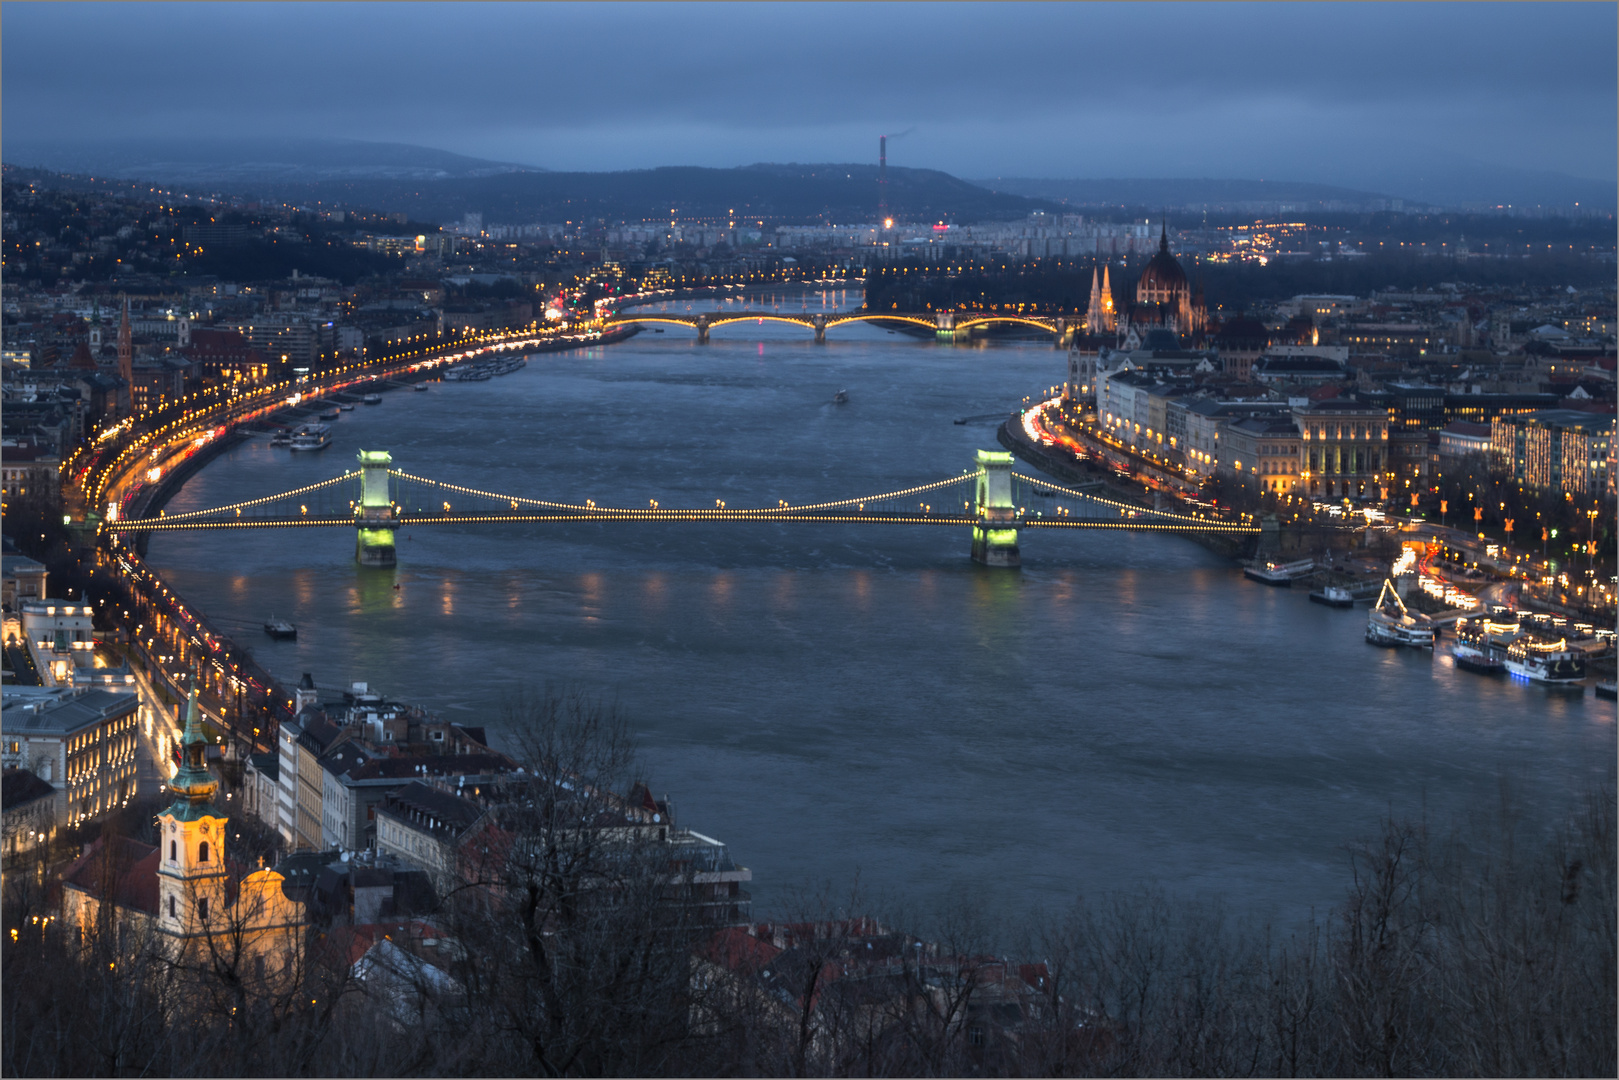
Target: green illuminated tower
[995,534]
[374,518]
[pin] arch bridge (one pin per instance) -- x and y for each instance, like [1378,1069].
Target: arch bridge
[989,498]
[945,324]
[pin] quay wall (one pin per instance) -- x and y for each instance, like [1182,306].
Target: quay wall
[1075,471]
[1289,540]
[270,697]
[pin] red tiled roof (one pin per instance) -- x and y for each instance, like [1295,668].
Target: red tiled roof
[82,358]
[133,864]
[346,944]
[737,950]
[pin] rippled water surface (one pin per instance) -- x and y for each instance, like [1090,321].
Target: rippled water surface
[842,700]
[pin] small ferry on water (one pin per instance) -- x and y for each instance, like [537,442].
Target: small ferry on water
[280,629]
[312,437]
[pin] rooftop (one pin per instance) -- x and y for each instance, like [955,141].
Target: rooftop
[58,711]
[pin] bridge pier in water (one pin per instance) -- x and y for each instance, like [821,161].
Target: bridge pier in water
[945,321]
[995,533]
[702,329]
[374,519]
[819,322]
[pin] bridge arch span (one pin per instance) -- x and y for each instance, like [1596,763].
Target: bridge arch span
[914,320]
[1048,325]
[793,320]
[667,320]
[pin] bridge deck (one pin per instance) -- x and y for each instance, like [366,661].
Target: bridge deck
[691,516]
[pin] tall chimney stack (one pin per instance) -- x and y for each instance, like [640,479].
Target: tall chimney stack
[882,180]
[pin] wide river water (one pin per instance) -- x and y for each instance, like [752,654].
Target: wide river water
[836,702]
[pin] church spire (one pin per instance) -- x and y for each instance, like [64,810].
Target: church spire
[1163,235]
[193,784]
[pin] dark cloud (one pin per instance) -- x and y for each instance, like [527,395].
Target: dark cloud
[1338,93]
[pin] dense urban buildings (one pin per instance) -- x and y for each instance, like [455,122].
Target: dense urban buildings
[180,809]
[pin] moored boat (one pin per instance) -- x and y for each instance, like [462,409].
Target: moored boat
[1267,572]
[281,438]
[1481,643]
[312,437]
[1550,662]
[331,414]
[1391,623]
[1609,690]
[372,399]
[1334,596]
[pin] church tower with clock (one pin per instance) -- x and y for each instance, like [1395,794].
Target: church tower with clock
[191,871]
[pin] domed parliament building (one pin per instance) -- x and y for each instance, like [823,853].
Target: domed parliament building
[1164,300]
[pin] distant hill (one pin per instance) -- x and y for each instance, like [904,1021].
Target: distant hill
[1189,194]
[233,162]
[1451,184]
[1476,184]
[772,193]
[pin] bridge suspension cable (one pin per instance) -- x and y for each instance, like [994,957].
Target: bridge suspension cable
[764,511]
[243,505]
[399,475]
[1049,486]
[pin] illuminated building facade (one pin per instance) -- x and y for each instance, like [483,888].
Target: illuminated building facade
[1344,447]
[1262,453]
[80,741]
[1556,450]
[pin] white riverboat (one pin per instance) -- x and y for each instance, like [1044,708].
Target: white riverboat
[1551,662]
[312,437]
[1391,623]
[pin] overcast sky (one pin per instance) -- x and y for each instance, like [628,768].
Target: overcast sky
[1336,93]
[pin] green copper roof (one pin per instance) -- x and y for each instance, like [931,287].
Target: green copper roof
[193,782]
[193,732]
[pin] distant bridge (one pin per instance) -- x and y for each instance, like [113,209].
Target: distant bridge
[945,324]
[991,499]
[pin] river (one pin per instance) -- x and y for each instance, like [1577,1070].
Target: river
[849,701]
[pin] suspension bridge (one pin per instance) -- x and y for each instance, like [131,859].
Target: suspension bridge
[989,498]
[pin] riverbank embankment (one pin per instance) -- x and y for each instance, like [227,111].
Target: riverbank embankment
[1067,468]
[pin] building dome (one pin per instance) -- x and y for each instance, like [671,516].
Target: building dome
[1163,274]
